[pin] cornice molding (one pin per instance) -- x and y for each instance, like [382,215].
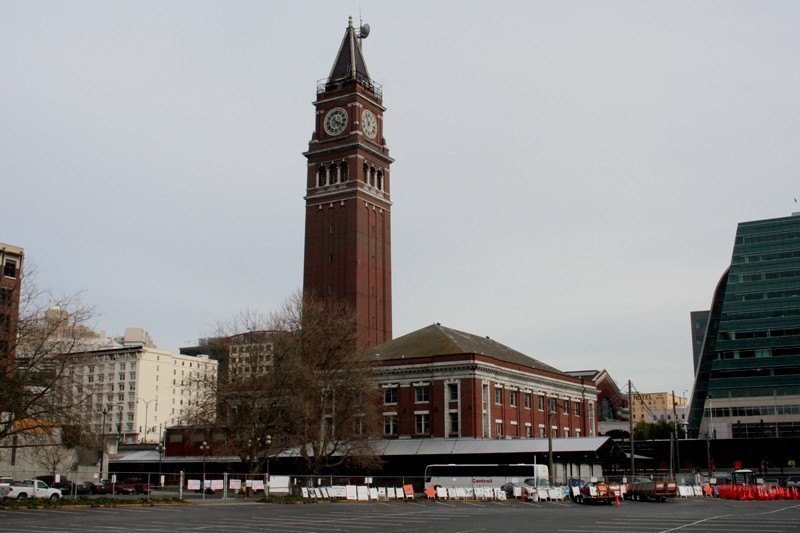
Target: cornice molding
[341,195]
[482,371]
[349,96]
[348,147]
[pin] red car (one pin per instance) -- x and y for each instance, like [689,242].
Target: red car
[132,485]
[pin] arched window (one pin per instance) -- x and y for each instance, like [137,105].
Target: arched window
[366,173]
[372,176]
[333,172]
[321,173]
[343,171]
[379,184]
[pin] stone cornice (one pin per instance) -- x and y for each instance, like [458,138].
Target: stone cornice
[359,194]
[481,370]
[349,96]
[348,148]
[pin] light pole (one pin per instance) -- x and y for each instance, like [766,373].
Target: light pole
[267,444]
[106,410]
[252,460]
[550,413]
[204,448]
[160,450]
[708,434]
[146,408]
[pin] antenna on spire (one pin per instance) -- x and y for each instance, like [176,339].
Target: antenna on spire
[363,29]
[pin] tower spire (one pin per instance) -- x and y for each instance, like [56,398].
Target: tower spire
[349,63]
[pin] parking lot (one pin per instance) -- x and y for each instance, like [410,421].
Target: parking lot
[216,515]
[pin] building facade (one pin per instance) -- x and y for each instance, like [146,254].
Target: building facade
[134,392]
[652,407]
[241,355]
[440,382]
[348,206]
[11,261]
[613,411]
[747,370]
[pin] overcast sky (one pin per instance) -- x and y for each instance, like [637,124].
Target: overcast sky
[568,181]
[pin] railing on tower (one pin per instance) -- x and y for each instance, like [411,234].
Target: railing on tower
[333,84]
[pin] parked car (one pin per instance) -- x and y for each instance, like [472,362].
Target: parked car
[83,488]
[98,487]
[132,485]
[31,488]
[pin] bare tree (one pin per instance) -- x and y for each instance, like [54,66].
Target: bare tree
[36,388]
[49,450]
[332,409]
[246,400]
[293,380]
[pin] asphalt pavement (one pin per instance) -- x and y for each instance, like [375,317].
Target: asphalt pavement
[238,515]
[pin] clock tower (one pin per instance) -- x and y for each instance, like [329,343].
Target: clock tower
[348,206]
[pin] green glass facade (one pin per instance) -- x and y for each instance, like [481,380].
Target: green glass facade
[747,375]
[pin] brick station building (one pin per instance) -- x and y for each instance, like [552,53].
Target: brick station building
[440,382]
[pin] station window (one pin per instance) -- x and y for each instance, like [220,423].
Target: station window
[422,394]
[423,423]
[452,392]
[390,395]
[453,432]
[390,425]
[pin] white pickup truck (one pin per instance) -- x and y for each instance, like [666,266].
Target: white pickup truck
[31,488]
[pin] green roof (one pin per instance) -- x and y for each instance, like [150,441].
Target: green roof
[437,340]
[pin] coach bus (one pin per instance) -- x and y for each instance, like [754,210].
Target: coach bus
[485,475]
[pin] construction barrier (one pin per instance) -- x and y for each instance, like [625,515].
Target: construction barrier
[758,492]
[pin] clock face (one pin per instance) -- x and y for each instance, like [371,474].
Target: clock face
[369,123]
[335,121]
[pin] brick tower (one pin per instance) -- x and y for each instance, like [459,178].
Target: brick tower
[348,207]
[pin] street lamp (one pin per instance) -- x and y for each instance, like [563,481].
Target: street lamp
[160,450]
[146,407]
[204,448]
[708,434]
[107,409]
[253,446]
[267,444]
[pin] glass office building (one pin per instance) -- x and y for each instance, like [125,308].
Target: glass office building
[747,347]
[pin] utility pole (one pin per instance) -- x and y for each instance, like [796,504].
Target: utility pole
[550,443]
[677,440]
[630,416]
